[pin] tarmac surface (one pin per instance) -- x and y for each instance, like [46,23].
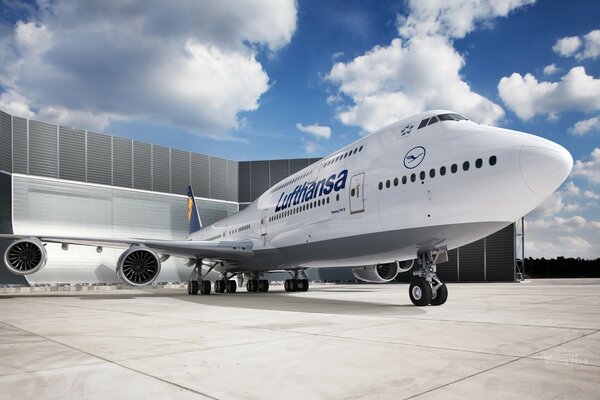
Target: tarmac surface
[536,340]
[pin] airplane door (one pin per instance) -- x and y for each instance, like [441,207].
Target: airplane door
[357,193]
[263,223]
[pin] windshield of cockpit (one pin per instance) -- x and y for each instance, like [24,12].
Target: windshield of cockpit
[441,117]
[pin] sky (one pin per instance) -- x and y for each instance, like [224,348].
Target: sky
[268,79]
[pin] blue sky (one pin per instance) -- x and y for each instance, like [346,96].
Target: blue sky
[265,79]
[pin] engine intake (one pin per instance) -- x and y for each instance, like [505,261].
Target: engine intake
[25,256]
[138,266]
[381,273]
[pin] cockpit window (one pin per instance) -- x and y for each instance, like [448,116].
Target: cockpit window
[446,117]
[441,117]
[432,121]
[423,123]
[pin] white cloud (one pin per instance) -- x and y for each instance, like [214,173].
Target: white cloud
[550,69]
[572,189]
[567,46]
[569,237]
[310,147]
[589,45]
[590,169]
[527,97]
[453,19]
[590,194]
[191,64]
[585,126]
[420,69]
[319,131]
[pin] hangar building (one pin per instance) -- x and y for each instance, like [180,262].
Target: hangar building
[56,180]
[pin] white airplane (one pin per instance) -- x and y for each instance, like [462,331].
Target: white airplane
[412,190]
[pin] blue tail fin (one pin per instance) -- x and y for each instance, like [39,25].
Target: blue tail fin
[194,222]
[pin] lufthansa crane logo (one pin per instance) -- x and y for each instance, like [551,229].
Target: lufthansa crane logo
[414,157]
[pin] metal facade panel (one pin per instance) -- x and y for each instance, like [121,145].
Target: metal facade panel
[142,165]
[5,142]
[180,171]
[200,175]
[99,159]
[298,164]
[244,182]
[232,180]
[259,178]
[500,255]
[218,178]
[43,149]
[122,162]
[313,160]
[278,170]
[6,204]
[71,154]
[20,151]
[161,169]
[471,262]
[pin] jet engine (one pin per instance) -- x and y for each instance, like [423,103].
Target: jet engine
[382,273]
[25,256]
[138,266]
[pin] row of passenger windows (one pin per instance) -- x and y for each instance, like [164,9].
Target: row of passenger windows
[342,156]
[441,117]
[432,172]
[240,229]
[302,208]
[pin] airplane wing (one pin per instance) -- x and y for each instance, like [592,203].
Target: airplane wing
[229,250]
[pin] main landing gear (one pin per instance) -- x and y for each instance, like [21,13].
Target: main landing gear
[197,283]
[426,288]
[296,284]
[255,285]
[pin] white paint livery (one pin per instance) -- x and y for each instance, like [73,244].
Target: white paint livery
[414,189]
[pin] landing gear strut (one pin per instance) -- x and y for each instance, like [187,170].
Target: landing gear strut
[426,288]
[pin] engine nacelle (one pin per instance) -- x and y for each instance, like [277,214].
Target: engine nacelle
[25,256]
[382,273]
[138,266]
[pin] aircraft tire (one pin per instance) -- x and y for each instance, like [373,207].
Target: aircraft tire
[263,285]
[294,285]
[220,286]
[205,287]
[192,287]
[231,286]
[252,286]
[441,296]
[303,285]
[287,285]
[420,292]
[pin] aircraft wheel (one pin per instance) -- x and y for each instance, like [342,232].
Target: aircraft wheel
[192,287]
[205,287]
[420,292]
[231,286]
[287,284]
[263,285]
[441,296]
[303,285]
[220,286]
[294,285]
[252,286]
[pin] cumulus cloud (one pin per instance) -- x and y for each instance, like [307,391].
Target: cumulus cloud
[319,131]
[576,91]
[310,147]
[192,64]
[550,69]
[588,169]
[589,45]
[557,236]
[420,69]
[567,46]
[585,126]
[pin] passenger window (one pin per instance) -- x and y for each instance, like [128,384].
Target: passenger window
[404,180]
[493,160]
[380,185]
[454,168]
[478,163]
[413,177]
[432,173]
[395,181]
[443,171]
[466,165]
[387,184]
[422,175]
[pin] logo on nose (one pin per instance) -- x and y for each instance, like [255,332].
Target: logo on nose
[414,157]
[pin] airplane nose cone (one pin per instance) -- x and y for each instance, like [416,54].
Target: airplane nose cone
[544,165]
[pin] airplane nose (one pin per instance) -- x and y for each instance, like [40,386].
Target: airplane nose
[544,165]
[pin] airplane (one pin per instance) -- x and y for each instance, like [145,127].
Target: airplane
[393,201]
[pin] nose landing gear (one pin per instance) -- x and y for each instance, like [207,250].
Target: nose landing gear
[426,288]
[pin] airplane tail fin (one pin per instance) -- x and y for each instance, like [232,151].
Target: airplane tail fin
[194,222]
